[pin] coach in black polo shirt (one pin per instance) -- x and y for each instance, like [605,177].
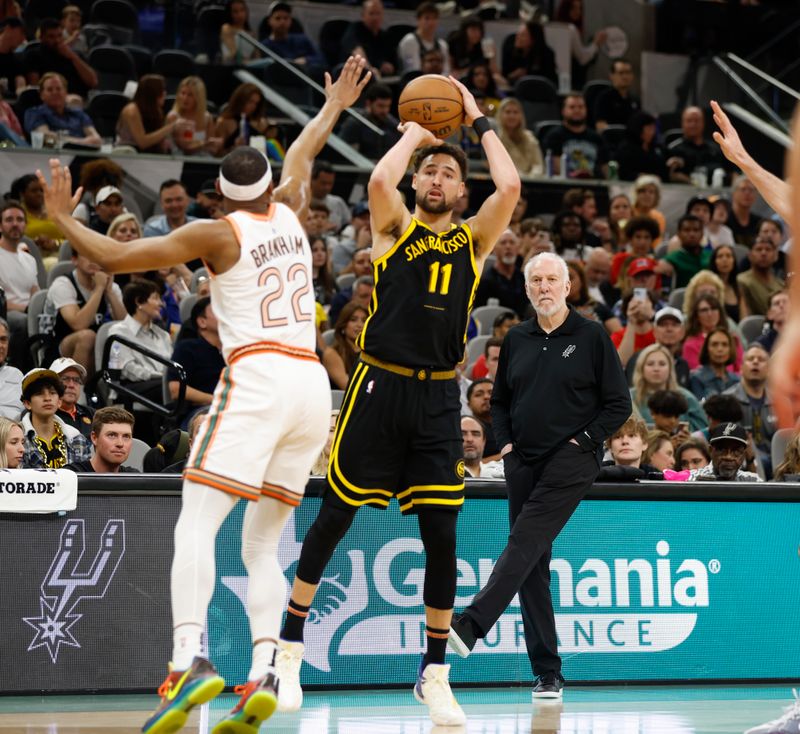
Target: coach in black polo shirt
[560,392]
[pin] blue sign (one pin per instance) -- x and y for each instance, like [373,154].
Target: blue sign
[643,590]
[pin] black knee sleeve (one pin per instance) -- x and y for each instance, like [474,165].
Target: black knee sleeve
[321,540]
[438,531]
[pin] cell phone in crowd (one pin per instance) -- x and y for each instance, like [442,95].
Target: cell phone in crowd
[640,294]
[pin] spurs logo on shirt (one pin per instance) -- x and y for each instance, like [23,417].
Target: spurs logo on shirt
[268,294]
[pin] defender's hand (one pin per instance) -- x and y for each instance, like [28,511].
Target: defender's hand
[59,201]
[347,88]
[727,137]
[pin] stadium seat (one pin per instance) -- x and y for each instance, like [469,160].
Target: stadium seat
[780,440]
[37,10]
[209,22]
[281,80]
[676,298]
[41,272]
[539,98]
[345,280]
[337,397]
[591,91]
[330,38]
[174,65]
[397,31]
[65,251]
[27,98]
[136,457]
[36,344]
[114,66]
[751,328]
[104,108]
[59,269]
[542,127]
[142,58]
[120,16]
[475,347]
[327,336]
[612,136]
[484,317]
[196,275]
[186,306]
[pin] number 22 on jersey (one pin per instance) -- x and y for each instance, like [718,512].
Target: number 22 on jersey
[298,283]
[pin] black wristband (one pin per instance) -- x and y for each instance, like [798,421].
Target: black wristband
[481,126]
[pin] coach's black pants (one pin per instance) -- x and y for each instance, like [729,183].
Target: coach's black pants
[541,498]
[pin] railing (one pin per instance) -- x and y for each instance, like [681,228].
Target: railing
[109,377]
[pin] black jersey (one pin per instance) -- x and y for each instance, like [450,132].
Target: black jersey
[424,288]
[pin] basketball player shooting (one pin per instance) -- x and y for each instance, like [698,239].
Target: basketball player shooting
[399,432]
[259,260]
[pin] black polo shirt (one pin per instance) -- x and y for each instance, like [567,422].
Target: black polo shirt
[82,420]
[554,387]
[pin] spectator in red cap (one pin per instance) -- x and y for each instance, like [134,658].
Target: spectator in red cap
[639,274]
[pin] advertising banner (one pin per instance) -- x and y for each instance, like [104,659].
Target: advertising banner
[643,590]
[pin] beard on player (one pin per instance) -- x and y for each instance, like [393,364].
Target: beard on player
[438,205]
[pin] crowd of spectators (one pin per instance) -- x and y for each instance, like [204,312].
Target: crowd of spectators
[694,308]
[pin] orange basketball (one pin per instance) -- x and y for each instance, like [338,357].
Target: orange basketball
[433,102]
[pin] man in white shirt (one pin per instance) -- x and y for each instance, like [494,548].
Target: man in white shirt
[413,45]
[17,277]
[77,304]
[10,378]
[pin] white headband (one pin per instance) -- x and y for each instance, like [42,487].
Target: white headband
[237,192]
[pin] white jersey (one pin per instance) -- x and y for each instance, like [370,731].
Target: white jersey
[268,295]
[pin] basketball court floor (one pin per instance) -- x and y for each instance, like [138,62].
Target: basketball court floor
[694,709]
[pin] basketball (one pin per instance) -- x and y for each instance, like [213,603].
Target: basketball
[433,102]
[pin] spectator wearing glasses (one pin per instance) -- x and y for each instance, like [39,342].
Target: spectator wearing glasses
[71,411]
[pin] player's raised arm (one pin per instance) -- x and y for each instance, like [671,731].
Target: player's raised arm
[294,186]
[495,214]
[179,246]
[775,191]
[784,365]
[388,212]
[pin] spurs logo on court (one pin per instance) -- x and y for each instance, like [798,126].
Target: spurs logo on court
[65,585]
[569,350]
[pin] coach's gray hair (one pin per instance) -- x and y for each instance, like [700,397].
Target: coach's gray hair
[536,259]
[364,280]
[5,325]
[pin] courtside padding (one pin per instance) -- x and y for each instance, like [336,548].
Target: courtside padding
[651,582]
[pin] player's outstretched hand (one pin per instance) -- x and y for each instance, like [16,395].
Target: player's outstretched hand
[58,197]
[425,137]
[348,87]
[471,109]
[726,137]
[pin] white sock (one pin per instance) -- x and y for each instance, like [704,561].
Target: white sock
[266,591]
[203,511]
[263,659]
[186,645]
